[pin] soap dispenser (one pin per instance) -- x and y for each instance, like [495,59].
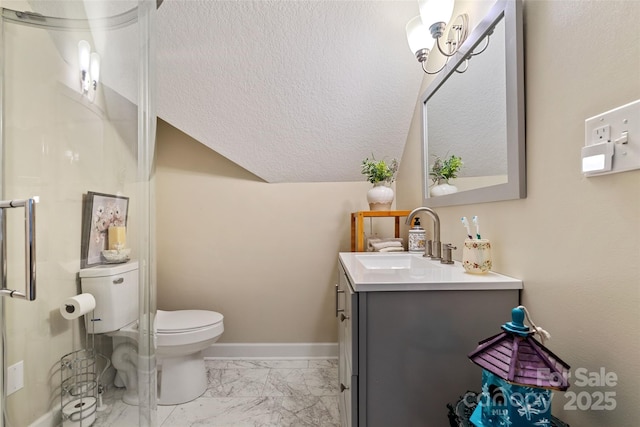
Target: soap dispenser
[417,237]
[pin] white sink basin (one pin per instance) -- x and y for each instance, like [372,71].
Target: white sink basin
[394,261]
[404,271]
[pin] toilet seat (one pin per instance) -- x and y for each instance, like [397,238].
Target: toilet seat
[187,327]
[180,327]
[170,322]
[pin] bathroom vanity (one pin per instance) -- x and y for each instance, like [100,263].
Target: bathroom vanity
[406,325]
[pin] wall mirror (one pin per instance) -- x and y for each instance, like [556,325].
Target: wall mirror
[478,114]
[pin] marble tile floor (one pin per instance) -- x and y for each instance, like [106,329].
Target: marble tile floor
[247,393]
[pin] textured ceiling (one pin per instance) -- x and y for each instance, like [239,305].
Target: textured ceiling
[293,91]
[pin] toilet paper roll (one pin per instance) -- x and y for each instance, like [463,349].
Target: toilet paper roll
[76,306]
[79,412]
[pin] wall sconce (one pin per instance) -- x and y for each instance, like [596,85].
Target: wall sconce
[89,70]
[94,72]
[429,27]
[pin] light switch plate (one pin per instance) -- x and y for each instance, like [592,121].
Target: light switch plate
[620,128]
[15,377]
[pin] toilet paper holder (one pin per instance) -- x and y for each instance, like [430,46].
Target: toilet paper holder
[79,388]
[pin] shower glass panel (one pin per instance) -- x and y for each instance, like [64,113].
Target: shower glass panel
[61,138]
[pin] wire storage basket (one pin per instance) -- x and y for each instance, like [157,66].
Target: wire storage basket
[79,383]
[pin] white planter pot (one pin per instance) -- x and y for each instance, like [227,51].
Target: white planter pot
[380,197]
[443,189]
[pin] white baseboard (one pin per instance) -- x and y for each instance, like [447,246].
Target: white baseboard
[272,351]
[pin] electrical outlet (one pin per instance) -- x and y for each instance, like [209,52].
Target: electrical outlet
[602,134]
[612,141]
[15,377]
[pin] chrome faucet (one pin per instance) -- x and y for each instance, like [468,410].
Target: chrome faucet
[436,232]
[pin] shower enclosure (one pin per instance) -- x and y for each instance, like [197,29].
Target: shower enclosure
[77,117]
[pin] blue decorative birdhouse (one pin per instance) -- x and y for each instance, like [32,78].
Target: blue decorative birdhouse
[518,377]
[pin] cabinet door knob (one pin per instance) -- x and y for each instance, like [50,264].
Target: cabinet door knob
[343,317]
[343,387]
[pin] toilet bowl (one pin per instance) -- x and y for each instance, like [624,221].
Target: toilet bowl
[180,336]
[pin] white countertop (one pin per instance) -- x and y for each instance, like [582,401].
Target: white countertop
[416,273]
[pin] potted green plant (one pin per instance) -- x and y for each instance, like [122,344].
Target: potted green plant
[381,174]
[379,170]
[442,171]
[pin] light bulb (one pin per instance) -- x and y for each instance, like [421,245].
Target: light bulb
[95,69]
[418,36]
[84,52]
[94,76]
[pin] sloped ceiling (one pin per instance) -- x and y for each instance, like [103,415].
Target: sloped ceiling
[293,91]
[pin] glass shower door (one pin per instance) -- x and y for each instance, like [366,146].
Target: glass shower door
[77,116]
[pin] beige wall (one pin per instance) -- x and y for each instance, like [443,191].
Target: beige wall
[264,255]
[573,240]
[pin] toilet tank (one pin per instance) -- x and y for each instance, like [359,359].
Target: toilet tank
[115,289]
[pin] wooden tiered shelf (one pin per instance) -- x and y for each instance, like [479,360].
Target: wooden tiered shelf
[357,225]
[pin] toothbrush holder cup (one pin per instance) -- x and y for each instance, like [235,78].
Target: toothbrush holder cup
[476,256]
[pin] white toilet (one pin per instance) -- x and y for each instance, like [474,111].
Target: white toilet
[180,335]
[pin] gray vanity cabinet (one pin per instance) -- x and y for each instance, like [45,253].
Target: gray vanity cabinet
[403,355]
[347,313]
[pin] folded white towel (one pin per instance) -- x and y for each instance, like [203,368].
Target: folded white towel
[382,245]
[372,241]
[392,249]
[386,239]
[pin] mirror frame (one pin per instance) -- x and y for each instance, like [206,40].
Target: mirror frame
[515,187]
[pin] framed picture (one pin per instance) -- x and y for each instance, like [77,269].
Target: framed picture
[100,211]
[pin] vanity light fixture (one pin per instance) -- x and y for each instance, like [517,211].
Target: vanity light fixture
[89,64]
[94,71]
[84,57]
[429,27]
